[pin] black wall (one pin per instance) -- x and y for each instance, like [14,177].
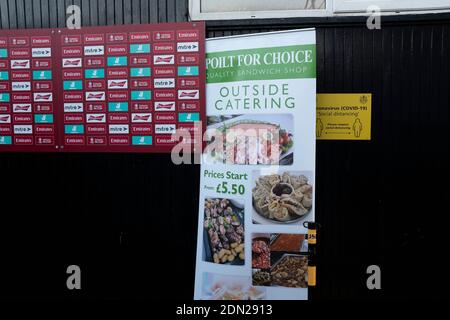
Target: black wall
[129,220]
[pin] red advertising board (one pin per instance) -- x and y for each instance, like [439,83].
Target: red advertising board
[100,89]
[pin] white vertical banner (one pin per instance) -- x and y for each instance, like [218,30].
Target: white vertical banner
[258,169]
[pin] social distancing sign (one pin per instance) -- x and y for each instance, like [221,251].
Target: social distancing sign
[344,116]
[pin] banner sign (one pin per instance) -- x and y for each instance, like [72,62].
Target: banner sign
[258,170]
[344,116]
[100,89]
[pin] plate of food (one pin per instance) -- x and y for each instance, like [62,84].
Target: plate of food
[255,139]
[282,198]
[291,270]
[223,231]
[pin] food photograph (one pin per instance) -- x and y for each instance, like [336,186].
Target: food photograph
[269,141]
[288,242]
[223,234]
[291,270]
[261,251]
[279,260]
[226,287]
[282,198]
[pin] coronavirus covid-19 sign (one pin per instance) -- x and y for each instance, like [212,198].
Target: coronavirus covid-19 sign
[101,89]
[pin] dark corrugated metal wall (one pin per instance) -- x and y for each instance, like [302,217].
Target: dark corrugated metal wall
[130,220]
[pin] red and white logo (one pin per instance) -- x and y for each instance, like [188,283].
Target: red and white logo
[41,41]
[192,58]
[188,94]
[41,96]
[141,106]
[5,118]
[41,63]
[21,75]
[117,72]
[96,107]
[94,62]
[21,97]
[166,117]
[188,82]
[164,47]
[163,59]
[118,95]
[189,106]
[139,36]
[116,37]
[94,39]
[19,41]
[73,118]
[20,64]
[72,51]
[23,118]
[95,96]
[140,61]
[95,84]
[164,94]
[72,74]
[43,107]
[117,84]
[72,63]
[165,71]
[74,141]
[42,85]
[96,128]
[20,53]
[44,140]
[98,141]
[140,84]
[95,118]
[119,117]
[163,35]
[141,117]
[164,106]
[117,49]
[71,39]
[22,107]
[141,128]
[187,34]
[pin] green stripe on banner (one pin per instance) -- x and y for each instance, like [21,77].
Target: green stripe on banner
[289,62]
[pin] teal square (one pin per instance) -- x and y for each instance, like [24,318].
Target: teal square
[42,74]
[5,140]
[141,95]
[140,48]
[142,140]
[43,118]
[188,71]
[117,61]
[74,129]
[94,73]
[188,117]
[118,106]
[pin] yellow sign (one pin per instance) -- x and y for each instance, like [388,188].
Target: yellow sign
[344,116]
